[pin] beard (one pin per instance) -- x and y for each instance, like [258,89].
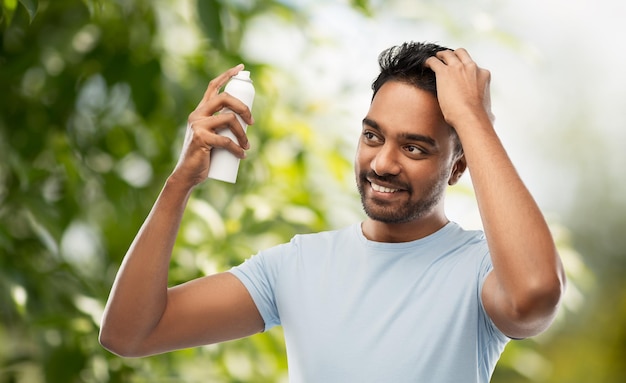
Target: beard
[399,211]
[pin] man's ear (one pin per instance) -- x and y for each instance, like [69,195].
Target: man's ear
[457,169]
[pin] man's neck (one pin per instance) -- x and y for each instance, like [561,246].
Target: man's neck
[378,231]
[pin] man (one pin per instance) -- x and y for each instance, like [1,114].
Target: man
[406,295]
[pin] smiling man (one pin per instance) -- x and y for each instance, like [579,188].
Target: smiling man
[404,296]
[405,160]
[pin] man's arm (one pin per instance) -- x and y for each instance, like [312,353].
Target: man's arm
[522,293]
[143,316]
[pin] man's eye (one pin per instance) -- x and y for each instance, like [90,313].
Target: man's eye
[369,136]
[413,149]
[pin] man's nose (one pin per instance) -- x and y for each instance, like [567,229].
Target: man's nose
[385,162]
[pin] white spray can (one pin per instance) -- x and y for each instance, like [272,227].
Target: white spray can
[224,165]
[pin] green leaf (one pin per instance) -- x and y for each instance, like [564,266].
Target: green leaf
[209,12]
[362,6]
[31,7]
[8,9]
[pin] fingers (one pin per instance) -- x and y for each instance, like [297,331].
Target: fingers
[434,63]
[226,119]
[213,101]
[231,122]
[464,56]
[206,120]
[462,86]
[460,59]
[207,132]
[208,129]
[217,83]
[224,100]
[449,57]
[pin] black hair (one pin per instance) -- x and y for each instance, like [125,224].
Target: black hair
[405,63]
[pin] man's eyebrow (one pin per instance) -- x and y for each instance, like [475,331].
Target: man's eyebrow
[371,123]
[420,137]
[407,136]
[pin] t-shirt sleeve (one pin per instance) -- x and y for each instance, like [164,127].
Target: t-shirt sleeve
[485,269]
[259,274]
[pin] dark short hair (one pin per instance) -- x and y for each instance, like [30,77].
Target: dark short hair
[405,63]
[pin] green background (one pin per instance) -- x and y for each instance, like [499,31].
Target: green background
[92,107]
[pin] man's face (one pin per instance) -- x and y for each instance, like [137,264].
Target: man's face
[405,157]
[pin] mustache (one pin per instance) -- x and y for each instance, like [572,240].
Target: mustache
[393,181]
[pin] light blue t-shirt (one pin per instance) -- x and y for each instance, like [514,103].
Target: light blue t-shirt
[354,310]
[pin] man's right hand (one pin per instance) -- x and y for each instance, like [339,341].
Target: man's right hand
[201,135]
[143,316]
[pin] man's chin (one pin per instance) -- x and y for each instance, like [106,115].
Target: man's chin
[386,215]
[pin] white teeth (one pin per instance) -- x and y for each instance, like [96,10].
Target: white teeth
[382,189]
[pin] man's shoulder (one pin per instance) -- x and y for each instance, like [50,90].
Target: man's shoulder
[459,234]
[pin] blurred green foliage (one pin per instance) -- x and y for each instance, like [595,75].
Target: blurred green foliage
[92,110]
[94,96]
